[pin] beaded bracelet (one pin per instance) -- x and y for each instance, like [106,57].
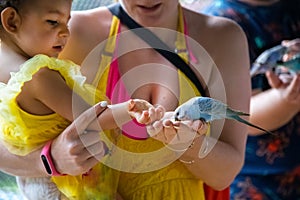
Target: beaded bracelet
[191,161]
[203,150]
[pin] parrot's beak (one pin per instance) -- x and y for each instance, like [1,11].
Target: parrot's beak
[176,116]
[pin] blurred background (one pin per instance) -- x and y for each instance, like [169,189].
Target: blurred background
[89,4]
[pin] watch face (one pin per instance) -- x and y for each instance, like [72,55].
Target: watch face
[46,164]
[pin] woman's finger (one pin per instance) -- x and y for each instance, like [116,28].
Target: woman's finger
[273,79]
[83,120]
[89,137]
[98,149]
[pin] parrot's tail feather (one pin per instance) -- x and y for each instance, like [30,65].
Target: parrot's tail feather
[242,113]
[231,112]
[252,125]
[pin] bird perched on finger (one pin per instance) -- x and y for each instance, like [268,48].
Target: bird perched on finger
[208,109]
[268,60]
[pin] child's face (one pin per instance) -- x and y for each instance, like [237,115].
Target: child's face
[43,28]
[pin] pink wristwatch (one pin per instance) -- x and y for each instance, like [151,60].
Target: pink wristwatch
[47,160]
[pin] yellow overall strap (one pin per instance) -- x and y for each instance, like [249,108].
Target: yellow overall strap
[106,57]
[187,88]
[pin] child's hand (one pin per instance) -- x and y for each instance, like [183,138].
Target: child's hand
[144,112]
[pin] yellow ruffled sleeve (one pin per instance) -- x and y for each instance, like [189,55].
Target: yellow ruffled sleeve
[23,132]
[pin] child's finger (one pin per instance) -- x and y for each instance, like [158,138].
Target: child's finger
[144,118]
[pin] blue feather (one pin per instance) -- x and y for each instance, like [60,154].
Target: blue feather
[209,109]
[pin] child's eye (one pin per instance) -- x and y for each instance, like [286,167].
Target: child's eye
[52,22]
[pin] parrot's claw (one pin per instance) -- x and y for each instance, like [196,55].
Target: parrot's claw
[203,120]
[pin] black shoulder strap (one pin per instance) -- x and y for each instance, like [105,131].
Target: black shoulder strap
[157,44]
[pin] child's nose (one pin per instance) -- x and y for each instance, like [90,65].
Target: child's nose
[64,32]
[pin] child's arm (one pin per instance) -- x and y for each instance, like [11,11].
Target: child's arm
[48,92]
[141,110]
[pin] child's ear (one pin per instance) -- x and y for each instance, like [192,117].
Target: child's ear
[10,20]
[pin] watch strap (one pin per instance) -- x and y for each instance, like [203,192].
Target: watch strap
[48,161]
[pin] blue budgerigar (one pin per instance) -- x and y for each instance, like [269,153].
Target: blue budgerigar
[267,60]
[272,59]
[209,109]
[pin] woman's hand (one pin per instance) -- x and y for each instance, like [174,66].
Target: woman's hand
[76,150]
[178,135]
[288,85]
[293,48]
[289,89]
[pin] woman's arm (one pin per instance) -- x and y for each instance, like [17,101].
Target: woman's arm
[225,148]
[275,107]
[29,165]
[226,145]
[70,154]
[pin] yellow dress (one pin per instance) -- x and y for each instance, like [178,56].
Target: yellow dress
[22,132]
[171,182]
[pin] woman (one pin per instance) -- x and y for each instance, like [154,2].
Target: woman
[229,149]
